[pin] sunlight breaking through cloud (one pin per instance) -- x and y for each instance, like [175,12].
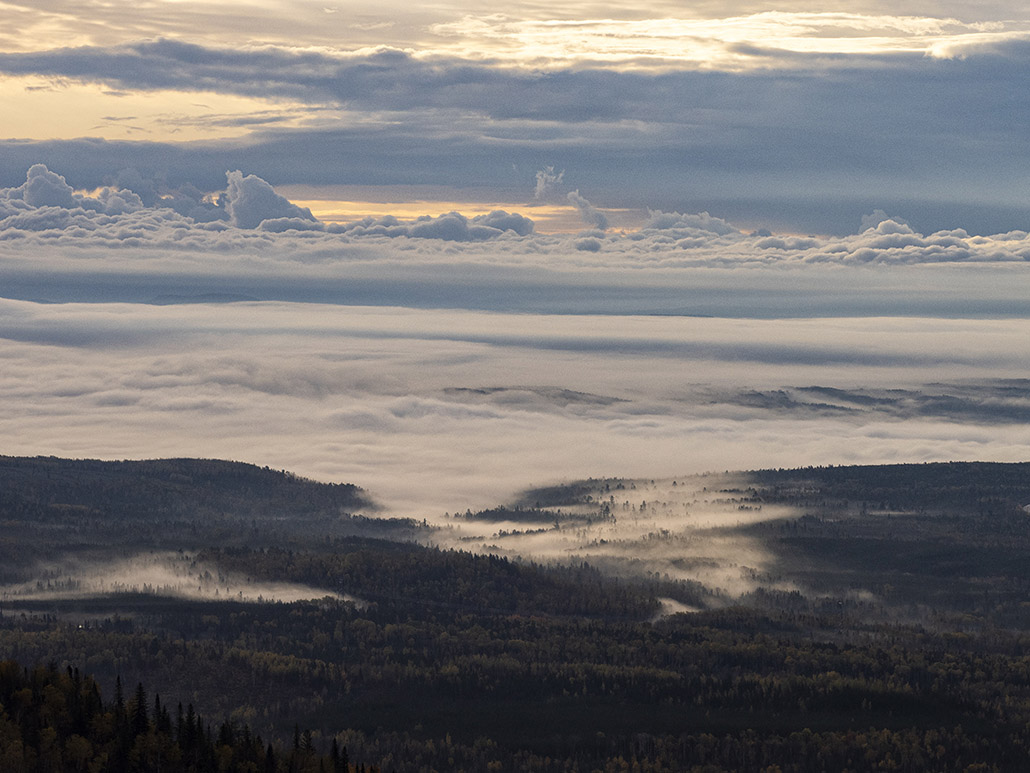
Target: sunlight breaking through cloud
[731,43]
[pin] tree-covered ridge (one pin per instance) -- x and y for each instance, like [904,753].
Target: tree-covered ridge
[943,540]
[52,488]
[975,487]
[92,510]
[909,540]
[413,579]
[528,515]
[53,720]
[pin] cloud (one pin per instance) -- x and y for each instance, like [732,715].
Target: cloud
[109,248]
[736,39]
[505,221]
[43,188]
[47,190]
[119,202]
[546,182]
[250,201]
[590,214]
[687,224]
[880,221]
[46,202]
[452,226]
[740,144]
[283,224]
[588,244]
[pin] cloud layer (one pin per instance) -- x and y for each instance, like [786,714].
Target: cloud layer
[133,243]
[45,202]
[798,142]
[437,411]
[447,362]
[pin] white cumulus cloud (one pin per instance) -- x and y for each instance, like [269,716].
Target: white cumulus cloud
[250,201]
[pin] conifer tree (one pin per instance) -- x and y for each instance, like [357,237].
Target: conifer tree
[140,721]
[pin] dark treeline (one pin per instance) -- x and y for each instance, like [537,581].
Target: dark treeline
[411,579]
[943,543]
[446,689]
[970,487]
[51,488]
[53,720]
[530,515]
[88,509]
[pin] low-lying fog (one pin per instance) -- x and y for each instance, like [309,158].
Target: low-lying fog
[433,411]
[178,575]
[681,529]
[444,375]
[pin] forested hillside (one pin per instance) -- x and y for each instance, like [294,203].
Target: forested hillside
[53,507]
[842,656]
[59,721]
[50,489]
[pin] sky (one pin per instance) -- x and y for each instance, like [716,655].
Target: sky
[452,252]
[800,120]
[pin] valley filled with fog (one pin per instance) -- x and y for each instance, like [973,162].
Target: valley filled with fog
[446,363]
[536,389]
[437,410]
[686,529]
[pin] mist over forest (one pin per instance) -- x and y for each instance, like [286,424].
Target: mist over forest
[847,613]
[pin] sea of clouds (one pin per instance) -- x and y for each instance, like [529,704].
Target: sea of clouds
[447,362]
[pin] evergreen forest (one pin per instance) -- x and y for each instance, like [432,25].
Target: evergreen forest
[198,615]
